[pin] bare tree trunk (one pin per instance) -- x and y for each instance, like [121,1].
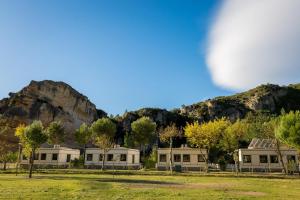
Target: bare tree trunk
[280,156]
[4,165]
[144,152]
[103,159]
[19,159]
[170,157]
[84,147]
[236,162]
[205,159]
[31,162]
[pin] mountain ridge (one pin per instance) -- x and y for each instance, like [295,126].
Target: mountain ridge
[50,100]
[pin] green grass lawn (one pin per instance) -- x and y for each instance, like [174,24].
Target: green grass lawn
[151,186]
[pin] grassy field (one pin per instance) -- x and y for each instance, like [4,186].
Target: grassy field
[147,186]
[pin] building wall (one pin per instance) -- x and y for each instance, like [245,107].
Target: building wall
[61,159]
[193,152]
[116,157]
[255,159]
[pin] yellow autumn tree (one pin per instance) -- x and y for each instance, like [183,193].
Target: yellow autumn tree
[206,135]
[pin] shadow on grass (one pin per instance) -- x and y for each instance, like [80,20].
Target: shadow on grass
[108,180]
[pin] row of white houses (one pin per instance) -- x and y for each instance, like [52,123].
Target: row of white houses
[261,155]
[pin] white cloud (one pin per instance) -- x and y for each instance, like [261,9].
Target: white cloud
[253,42]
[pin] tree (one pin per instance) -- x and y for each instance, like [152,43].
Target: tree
[231,137]
[9,157]
[143,131]
[83,136]
[105,143]
[5,150]
[55,132]
[103,131]
[167,135]
[152,159]
[104,126]
[128,140]
[206,135]
[19,132]
[258,125]
[32,137]
[288,130]
[5,147]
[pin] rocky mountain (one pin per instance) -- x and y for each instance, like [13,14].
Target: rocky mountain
[269,98]
[48,101]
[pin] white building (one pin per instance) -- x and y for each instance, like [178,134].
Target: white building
[53,156]
[189,159]
[117,157]
[262,155]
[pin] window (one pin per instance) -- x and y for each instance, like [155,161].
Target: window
[263,159]
[54,156]
[186,158]
[291,158]
[89,157]
[162,158]
[201,158]
[100,157]
[43,156]
[123,157]
[133,158]
[110,157]
[68,157]
[247,158]
[273,159]
[36,156]
[177,158]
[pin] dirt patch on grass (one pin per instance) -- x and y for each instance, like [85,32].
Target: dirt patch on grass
[216,186]
[252,193]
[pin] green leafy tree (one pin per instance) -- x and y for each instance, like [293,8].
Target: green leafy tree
[104,131]
[9,157]
[288,130]
[104,126]
[259,126]
[206,135]
[32,137]
[83,136]
[5,146]
[231,137]
[152,159]
[167,135]
[55,132]
[128,140]
[143,131]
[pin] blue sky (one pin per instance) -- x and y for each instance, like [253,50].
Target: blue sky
[122,54]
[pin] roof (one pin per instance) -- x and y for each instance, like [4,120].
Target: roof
[115,148]
[60,147]
[262,144]
[184,148]
[266,144]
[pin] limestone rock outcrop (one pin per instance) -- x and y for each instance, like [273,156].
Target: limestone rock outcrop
[48,101]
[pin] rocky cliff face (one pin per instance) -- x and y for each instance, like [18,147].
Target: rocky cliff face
[270,98]
[48,101]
